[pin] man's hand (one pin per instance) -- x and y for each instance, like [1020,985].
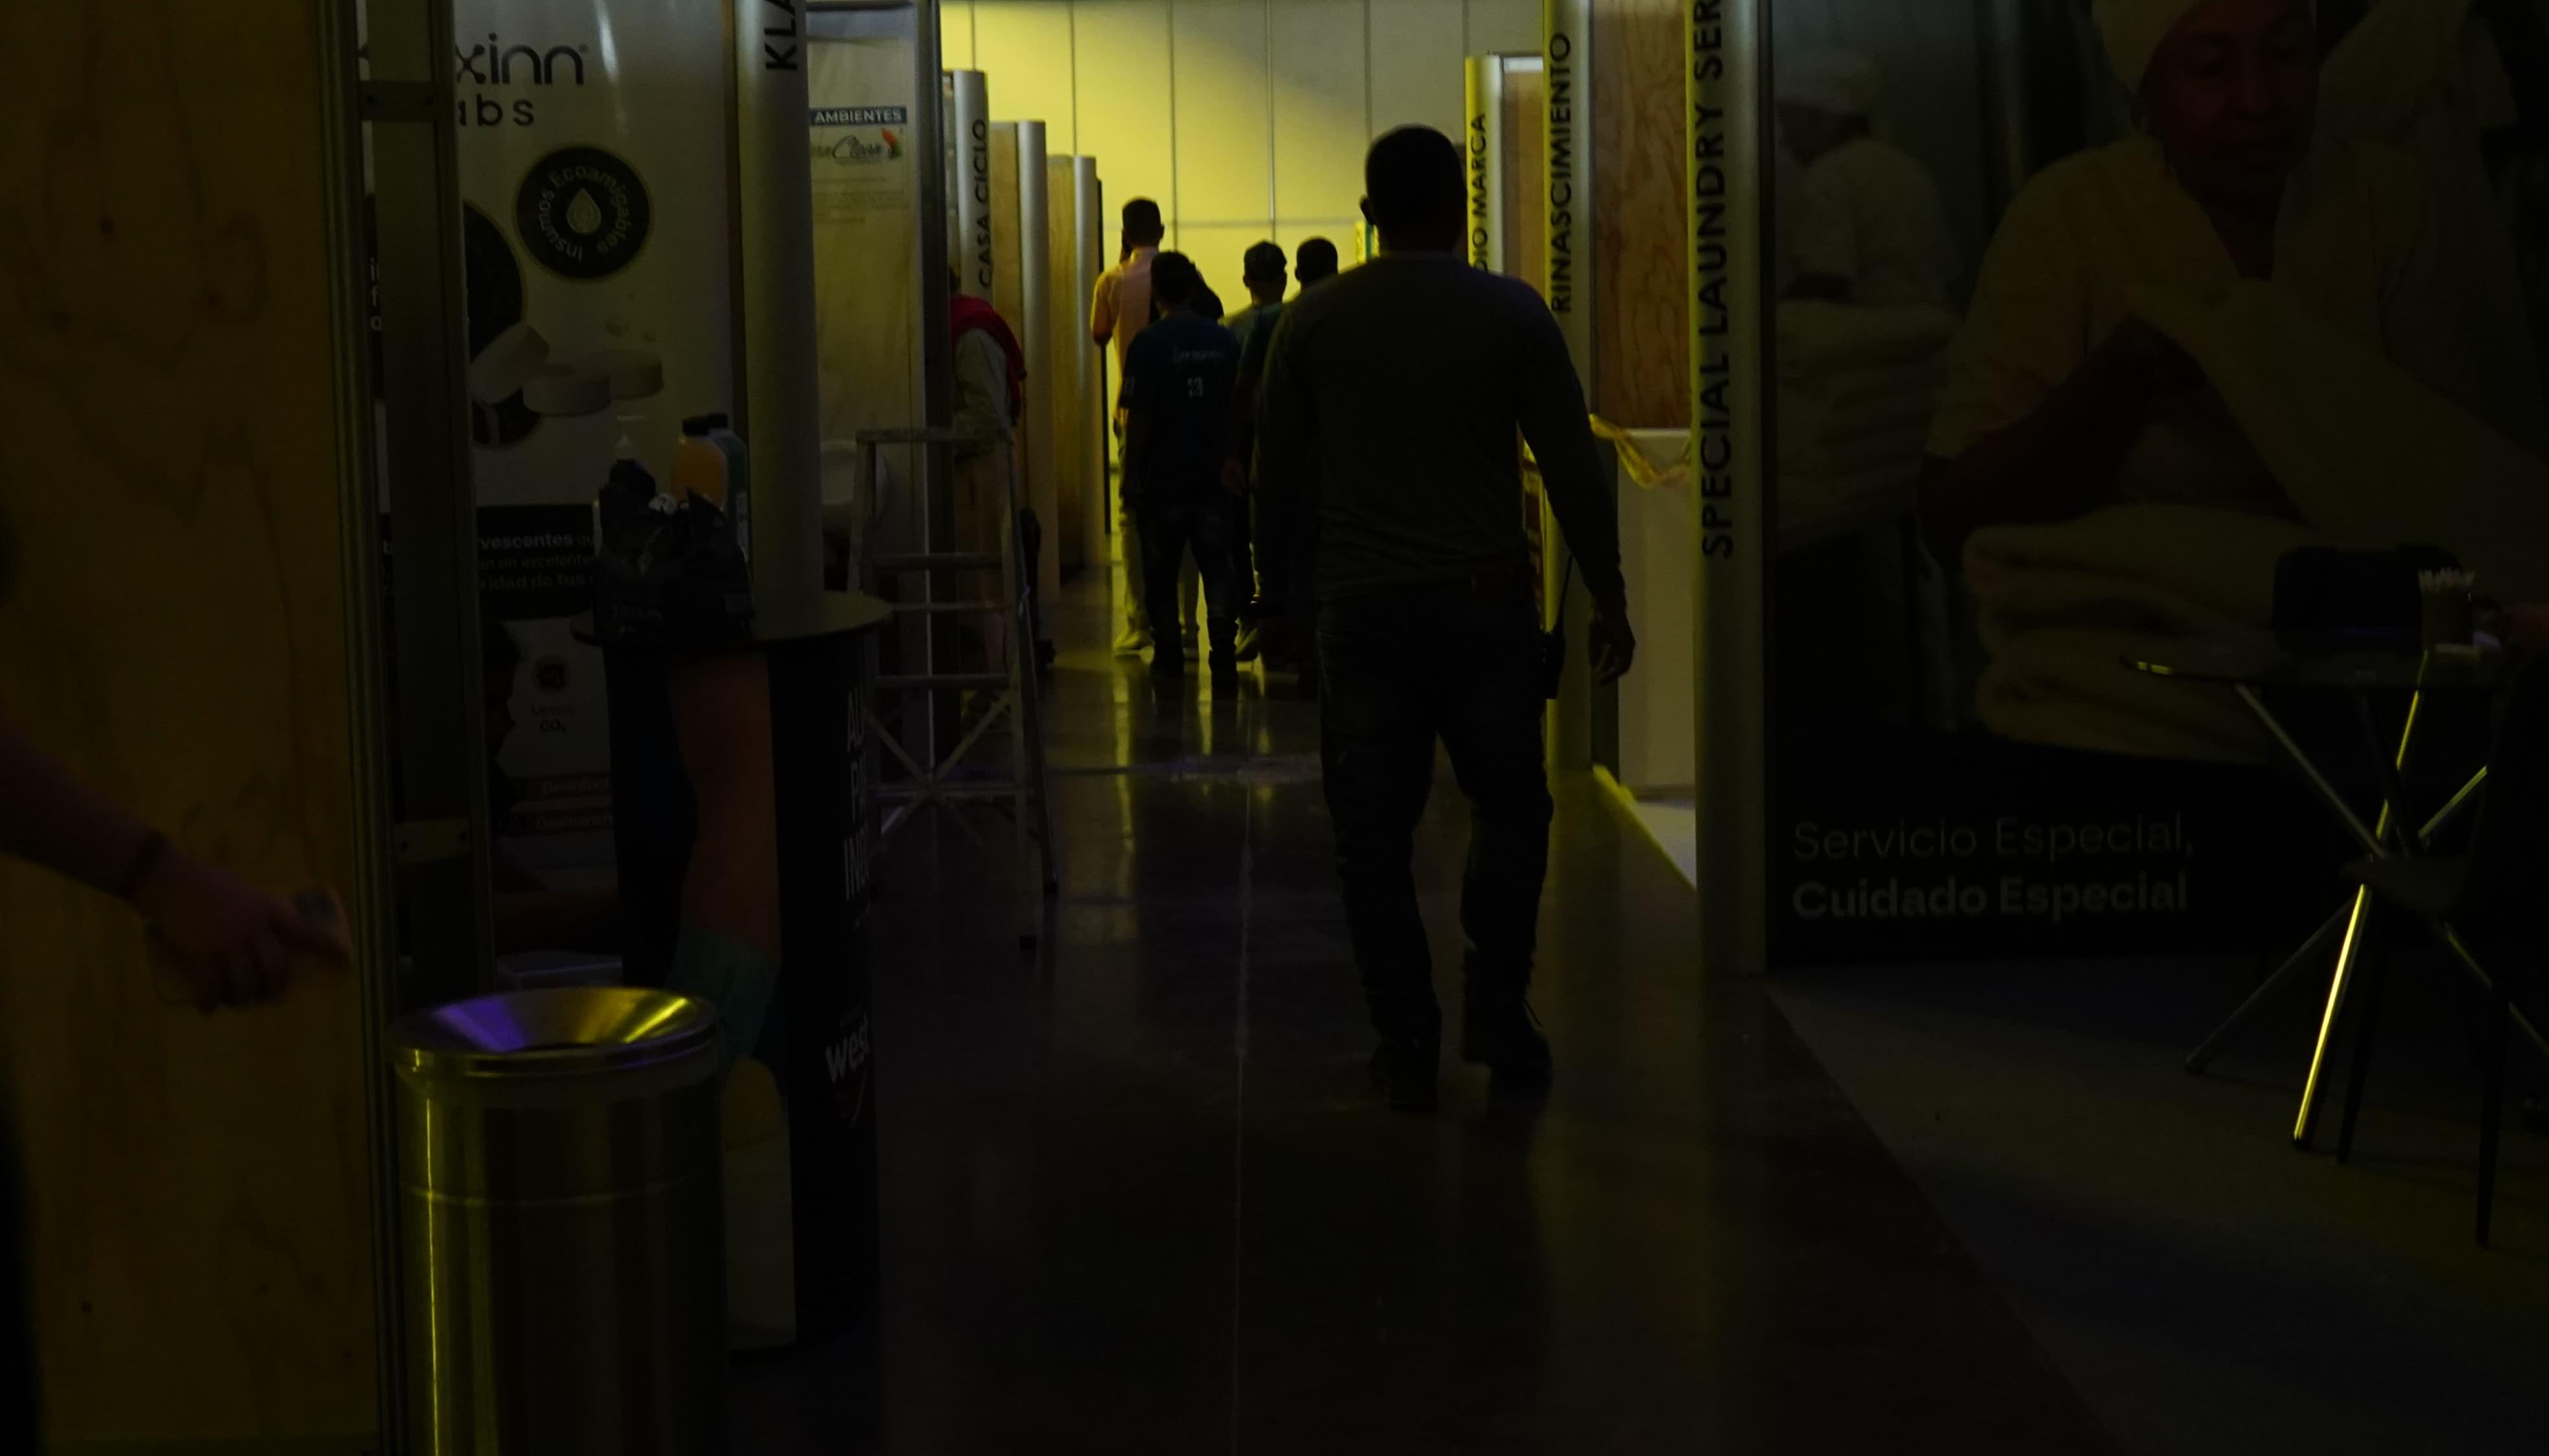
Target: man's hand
[230,942]
[1614,645]
[1234,478]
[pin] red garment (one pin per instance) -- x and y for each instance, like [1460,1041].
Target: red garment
[965,314]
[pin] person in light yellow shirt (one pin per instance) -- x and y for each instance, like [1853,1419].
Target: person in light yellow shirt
[2059,399]
[1119,309]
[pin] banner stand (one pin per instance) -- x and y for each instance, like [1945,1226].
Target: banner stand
[1089,201]
[1483,146]
[1566,283]
[1731,400]
[778,395]
[969,180]
[1035,333]
[1065,363]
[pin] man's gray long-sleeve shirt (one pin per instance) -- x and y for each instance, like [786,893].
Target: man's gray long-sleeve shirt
[1393,395]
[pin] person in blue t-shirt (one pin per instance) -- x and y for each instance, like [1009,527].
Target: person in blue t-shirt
[1178,379]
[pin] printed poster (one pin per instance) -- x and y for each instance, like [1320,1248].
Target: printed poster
[594,183]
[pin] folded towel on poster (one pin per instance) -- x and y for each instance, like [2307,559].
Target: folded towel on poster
[1821,507]
[1819,340]
[1895,456]
[2368,457]
[2061,607]
[1809,420]
[1857,393]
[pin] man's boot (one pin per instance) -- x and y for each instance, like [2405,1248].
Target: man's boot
[1499,1031]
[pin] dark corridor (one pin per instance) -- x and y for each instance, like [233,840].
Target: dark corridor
[1140,1198]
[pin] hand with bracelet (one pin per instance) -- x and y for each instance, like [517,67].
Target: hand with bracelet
[227,941]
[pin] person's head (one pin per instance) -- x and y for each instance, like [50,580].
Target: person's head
[1827,98]
[1262,270]
[1174,283]
[1206,304]
[1142,225]
[1415,192]
[1314,261]
[2227,88]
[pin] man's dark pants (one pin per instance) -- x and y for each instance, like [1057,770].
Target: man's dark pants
[1243,558]
[1172,525]
[1401,669]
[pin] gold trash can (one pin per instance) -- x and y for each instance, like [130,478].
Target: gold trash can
[562,1221]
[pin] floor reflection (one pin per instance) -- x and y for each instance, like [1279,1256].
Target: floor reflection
[1138,1196]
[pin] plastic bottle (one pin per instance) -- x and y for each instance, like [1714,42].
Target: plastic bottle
[698,465]
[710,462]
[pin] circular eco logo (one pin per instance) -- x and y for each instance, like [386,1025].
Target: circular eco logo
[582,213]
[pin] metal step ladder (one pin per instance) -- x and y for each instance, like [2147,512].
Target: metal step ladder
[951,587]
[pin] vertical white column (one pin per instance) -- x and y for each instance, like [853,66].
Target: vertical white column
[1729,42]
[1035,282]
[1483,140]
[970,113]
[1567,193]
[1088,200]
[1566,57]
[775,256]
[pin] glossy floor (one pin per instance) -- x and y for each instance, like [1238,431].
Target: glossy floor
[1139,1199]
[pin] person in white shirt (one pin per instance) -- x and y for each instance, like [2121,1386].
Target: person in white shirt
[1119,309]
[1866,225]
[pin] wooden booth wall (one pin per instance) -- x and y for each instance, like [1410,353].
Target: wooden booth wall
[175,627]
[1642,277]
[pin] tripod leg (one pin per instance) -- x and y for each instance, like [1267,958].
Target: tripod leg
[2492,1106]
[2367,1027]
[2301,961]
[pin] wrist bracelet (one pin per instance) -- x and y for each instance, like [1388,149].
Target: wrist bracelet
[144,859]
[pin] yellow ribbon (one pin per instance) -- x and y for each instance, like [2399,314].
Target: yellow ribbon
[1633,460]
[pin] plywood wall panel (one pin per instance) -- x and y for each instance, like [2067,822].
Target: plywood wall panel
[1226,111]
[1504,25]
[1225,137]
[1417,55]
[1025,48]
[1642,281]
[1123,98]
[176,630]
[1318,76]
[956,35]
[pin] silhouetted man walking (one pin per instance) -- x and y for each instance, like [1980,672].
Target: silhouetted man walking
[1177,381]
[1399,389]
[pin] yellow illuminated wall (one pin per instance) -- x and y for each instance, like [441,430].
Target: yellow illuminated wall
[1244,118]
